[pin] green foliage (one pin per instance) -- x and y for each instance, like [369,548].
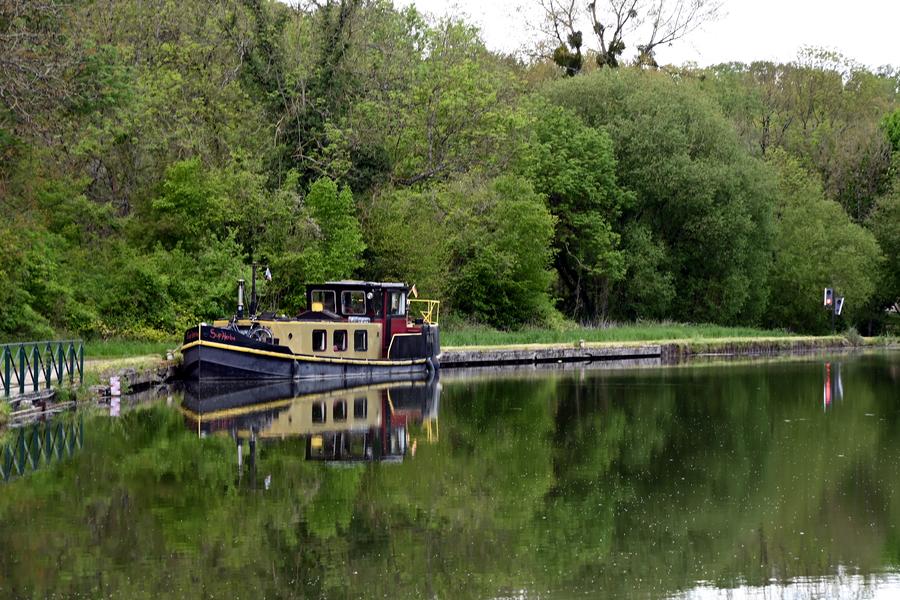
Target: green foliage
[325,243]
[500,279]
[701,198]
[823,109]
[650,290]
[853,336]
[18,317]
[574,166]
[408,239]
[464,241]
[149,152]
[568,60]
[891,125]
[816,246]
[339,234]
[884,223]
[450,109]
[190,208]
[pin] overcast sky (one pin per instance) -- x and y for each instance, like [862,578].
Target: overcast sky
[867,31]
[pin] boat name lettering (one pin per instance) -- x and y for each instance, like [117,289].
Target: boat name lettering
[191,335]
[215,334]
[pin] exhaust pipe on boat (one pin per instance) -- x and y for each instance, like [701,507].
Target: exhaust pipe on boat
[240,307]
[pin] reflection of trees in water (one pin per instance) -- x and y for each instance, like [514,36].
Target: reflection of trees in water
[627,484]
[745,466]
[464,507]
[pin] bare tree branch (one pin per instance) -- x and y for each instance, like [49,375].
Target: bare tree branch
[672,20]
[652,22]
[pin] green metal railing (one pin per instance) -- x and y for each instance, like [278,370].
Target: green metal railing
[38,445]
[31,364]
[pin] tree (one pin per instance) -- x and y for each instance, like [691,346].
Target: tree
[702,204]
[501,252]
[191,206]
[652,22]
[816,245]
[18,316]
[37,62]
[297,64]
[891,126]
[575,167]
[339,234]
[823,108]
[885,226]
[485,246]
[451,110]
[324,242]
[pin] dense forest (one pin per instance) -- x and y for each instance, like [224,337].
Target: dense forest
[151,150]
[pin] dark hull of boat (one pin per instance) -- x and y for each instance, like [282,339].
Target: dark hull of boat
[211,358]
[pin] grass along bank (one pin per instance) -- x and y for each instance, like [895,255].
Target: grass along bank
[116,348]
[126,358]
[671,343]
[636,332]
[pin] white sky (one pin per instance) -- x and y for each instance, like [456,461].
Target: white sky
[867,31]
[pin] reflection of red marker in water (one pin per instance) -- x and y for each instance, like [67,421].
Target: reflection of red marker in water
[827,384]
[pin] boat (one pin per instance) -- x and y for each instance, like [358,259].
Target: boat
[352,331]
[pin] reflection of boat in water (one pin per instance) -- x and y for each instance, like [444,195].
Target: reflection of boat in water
[362,423]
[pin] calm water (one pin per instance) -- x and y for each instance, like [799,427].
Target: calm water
[763,480]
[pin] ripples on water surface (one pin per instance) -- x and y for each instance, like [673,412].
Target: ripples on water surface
[764,480]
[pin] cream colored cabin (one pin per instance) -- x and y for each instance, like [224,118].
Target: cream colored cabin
[339,339]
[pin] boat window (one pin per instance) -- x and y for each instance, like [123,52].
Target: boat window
[325,298]
[318,412]
[353,302]
[319,340]
[360,408]
[360,340]
[339,410]
[377,301]
[340,340]
[398,303]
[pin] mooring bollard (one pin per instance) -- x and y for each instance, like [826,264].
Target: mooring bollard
[115,392]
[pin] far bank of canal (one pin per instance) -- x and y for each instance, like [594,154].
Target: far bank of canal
[138,373]
[147,370]
[666,351]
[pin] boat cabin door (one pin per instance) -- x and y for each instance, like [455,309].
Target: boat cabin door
[394,316]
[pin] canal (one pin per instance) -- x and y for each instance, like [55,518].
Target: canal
[762,479]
